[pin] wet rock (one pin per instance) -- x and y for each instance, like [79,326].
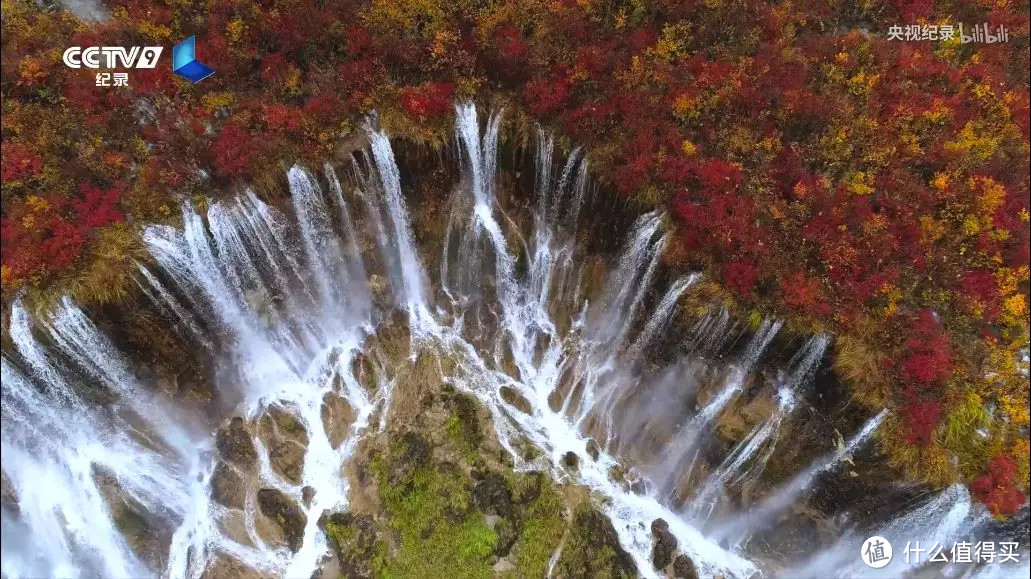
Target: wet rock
[228,567]
[287,459]
[738,420]
[683,568]
[228,487]
[277,506]
[234,444]
[234,526]
[665,545]
[571,461]
[307,494]
[364,371]
[391,343]
[145,533]
[380,290]
[592,548]
[526,449]
[288,425]
[167,383]
[337,418]
[353,538]
[492,496]
[592,449]
[8,495]
[516,399]
[270,532]
[638,486]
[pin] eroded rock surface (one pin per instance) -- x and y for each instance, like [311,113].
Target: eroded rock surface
[282,510]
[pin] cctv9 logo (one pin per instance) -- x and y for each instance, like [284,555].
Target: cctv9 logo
[112,57]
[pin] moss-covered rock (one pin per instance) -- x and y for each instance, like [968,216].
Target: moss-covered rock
[516,399]
[665,544]
[281,509]
[234,444]
[542,524]
[355,540]
[592,548]
[430,510]
[683,568]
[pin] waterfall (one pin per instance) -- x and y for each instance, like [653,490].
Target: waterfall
[283,307]
[945,519]
[411,268]
[740,527]
[679,456]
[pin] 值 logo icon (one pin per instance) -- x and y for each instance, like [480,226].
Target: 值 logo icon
[185,63]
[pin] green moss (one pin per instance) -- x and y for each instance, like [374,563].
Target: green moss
[431,514]
[453,427]
[339,533]
[592,548]
[543,526]
[287,423]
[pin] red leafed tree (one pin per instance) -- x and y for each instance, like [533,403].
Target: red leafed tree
[928,356]
[804,294]
[997,489]
[98,207]
[429,100]
[740,276]
[547,94]
[17,161]
[921,417]
[232,149]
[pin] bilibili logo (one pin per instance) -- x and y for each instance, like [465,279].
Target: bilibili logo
[185,63]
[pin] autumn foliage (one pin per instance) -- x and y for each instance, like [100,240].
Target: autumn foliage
[997,488]
[871,188]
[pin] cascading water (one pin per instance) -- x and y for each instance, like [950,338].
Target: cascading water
[286,309]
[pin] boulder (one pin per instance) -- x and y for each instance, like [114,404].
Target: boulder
[492,495]
[592,548]
[337,418]
[228,487]
[516,399]
[287,459]
[281,509]
[665,544]
[146,533]
[228,567]
[234,444]
[571,461]
[353,538]
[683,568]
[592,449]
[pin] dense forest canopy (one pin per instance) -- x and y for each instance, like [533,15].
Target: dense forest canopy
[817,170]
